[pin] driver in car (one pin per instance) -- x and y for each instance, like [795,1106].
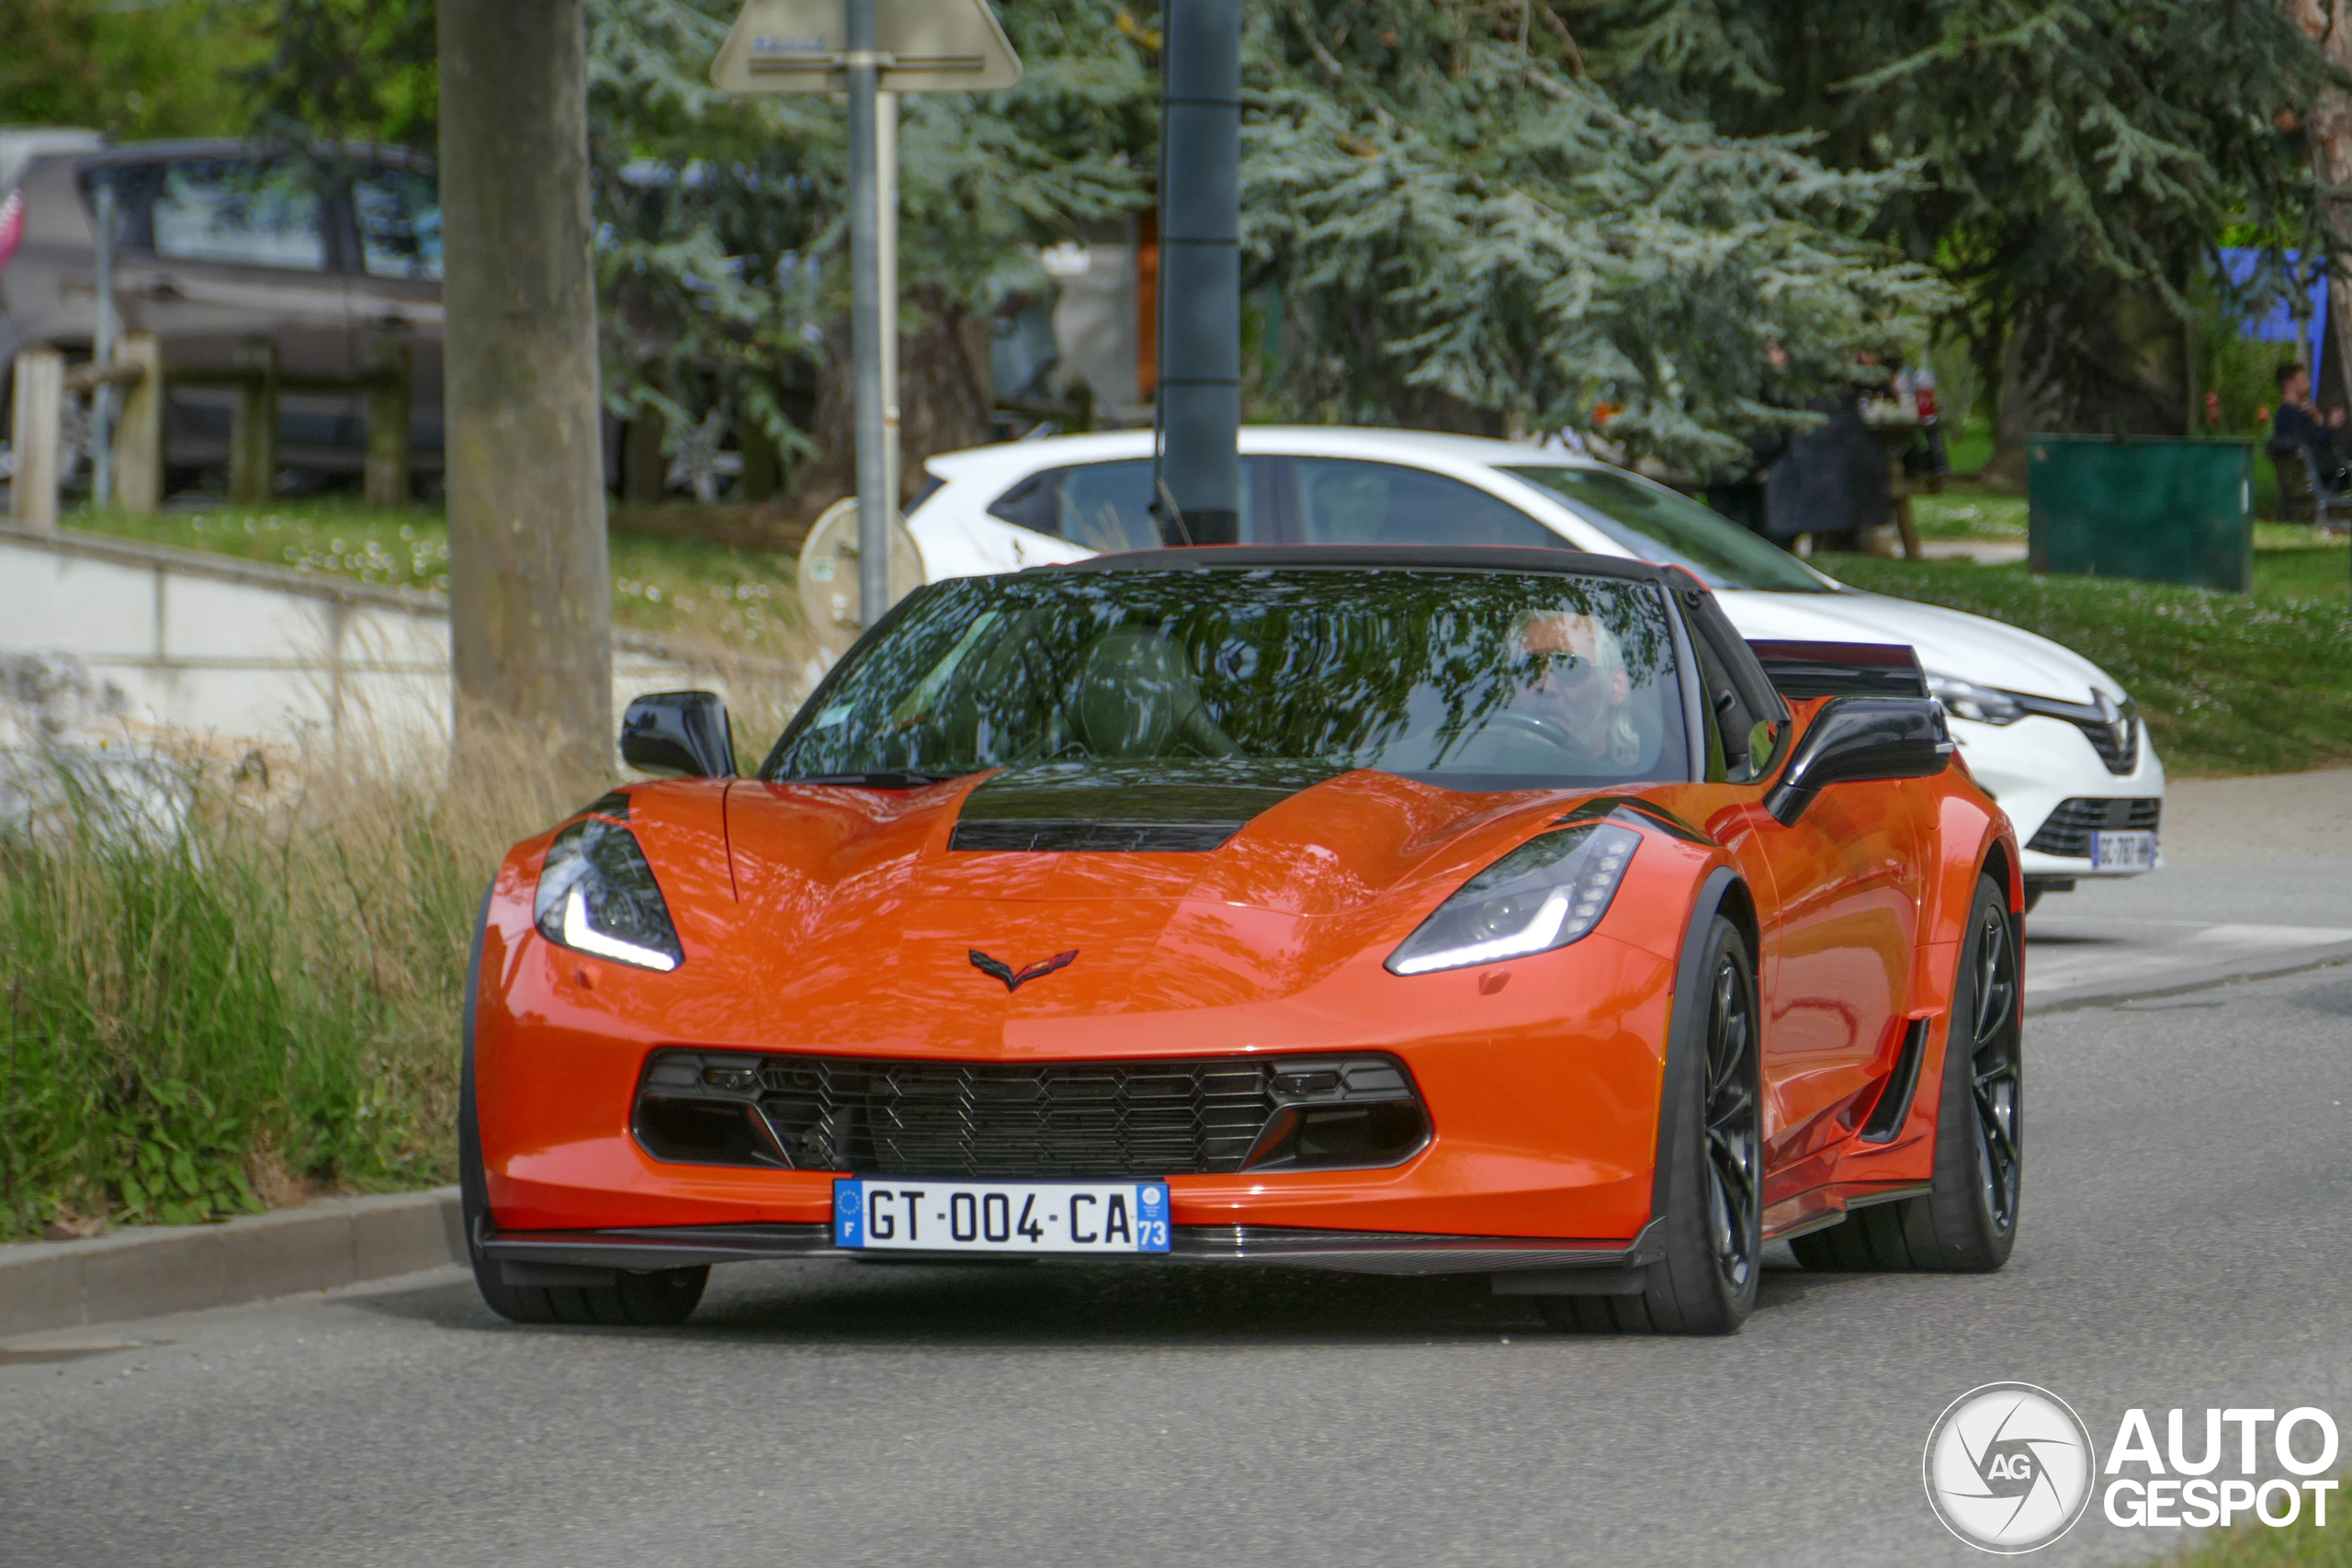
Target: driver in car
[1573,680]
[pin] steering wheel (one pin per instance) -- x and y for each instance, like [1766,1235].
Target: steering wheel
[1544,729]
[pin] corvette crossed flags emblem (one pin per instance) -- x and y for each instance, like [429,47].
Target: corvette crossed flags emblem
[1015,978]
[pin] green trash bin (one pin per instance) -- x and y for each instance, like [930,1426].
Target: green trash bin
[2160,509]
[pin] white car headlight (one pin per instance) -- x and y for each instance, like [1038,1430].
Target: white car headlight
[597,895]
[1545,893]
[1965,699]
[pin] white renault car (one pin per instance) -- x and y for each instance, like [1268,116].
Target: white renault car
[2049,733]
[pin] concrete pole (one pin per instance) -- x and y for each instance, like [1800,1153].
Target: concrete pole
[139,435]
[1199,467]
[865,314]
[36,410]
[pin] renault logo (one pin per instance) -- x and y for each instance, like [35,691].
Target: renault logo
[1015,978]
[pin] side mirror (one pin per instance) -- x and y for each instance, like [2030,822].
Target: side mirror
[1855,738]
[684,733]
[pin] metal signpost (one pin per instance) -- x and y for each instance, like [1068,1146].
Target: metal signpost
[103,352]
[869,48]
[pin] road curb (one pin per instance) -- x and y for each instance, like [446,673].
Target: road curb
[2181,982]
[150,1270]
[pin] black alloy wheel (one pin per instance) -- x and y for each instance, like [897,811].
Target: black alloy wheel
[1993,1067]
[1734,1149]
[1710,1153]
[1967,1222]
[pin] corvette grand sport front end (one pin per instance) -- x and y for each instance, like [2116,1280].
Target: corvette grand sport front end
[1172,908]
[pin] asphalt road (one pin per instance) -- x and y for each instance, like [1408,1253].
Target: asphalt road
[2187,1240]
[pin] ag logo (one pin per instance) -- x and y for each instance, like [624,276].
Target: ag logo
[2008,1468]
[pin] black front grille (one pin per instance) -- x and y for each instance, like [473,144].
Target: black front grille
[2067,830]
[983,1119]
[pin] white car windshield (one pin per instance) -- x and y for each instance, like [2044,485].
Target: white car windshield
[1668,530]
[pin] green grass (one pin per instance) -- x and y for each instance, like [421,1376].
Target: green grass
[2256,1545]
[743,599]
[1964,511]
[2229,683]
[254,998]
[247,996]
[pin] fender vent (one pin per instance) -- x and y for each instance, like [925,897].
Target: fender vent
[1893,1105]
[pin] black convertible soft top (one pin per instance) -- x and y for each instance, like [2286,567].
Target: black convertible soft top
[1500,559]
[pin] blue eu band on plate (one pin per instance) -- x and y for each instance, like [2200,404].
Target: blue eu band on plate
[915,1215]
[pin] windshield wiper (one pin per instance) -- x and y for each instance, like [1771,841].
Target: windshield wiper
[880,778]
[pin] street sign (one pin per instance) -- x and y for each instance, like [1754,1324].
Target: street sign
[924,46]
[869,50]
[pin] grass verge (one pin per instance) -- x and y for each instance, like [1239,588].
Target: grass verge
[737,596]
[2229,683]
[223,992]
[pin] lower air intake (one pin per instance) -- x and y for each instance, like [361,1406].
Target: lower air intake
[994,1120]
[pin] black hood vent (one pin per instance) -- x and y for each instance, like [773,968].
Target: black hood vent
[1172,805]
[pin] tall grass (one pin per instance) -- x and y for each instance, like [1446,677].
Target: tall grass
[225,984]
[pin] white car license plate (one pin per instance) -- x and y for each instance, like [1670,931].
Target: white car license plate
[917,1215]
[2123,851]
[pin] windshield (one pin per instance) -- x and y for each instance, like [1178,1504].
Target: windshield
[1669,529]
[1469,680]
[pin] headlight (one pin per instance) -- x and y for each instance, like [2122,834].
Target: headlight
[1964,699]
[597,895]
[1545,893]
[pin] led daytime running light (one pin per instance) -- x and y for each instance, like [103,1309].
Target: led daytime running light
[1549,892]
[578,933]
[597,896]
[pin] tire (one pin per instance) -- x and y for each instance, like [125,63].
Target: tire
[1967,1222]
[1711,1151]
[644,1301]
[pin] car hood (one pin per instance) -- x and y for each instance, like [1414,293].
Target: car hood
[1949,642]
[869,907]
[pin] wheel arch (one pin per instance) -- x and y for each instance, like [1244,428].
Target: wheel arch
[2000,860]
[473,1187]
[1722,892]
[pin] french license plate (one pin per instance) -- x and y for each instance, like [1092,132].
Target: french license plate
[1000,1216]
[2123,851]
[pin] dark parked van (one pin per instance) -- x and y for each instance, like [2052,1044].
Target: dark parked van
[218,242]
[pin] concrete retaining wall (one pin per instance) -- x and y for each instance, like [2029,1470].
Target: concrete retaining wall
[216,644]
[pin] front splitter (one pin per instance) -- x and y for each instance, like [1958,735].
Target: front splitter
[1350,1252]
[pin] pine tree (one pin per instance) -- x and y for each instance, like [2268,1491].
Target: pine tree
[1463,227]
[2076,160]
[1467,228]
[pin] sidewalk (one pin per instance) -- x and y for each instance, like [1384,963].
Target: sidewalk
[150,1270]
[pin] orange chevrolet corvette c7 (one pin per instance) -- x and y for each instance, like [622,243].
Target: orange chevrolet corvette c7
[1397,910]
